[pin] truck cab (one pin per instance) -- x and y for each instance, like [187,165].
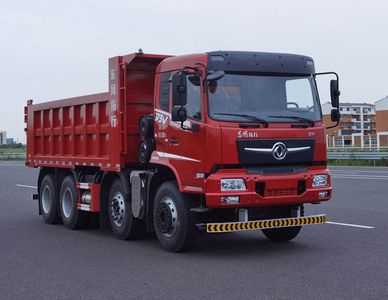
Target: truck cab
[244,129]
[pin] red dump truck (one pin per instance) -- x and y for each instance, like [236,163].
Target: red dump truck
[220,141]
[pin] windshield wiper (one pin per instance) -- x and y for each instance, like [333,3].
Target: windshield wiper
[295,118]
[249,117]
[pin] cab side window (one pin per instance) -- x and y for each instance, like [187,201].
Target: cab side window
[193,106]
[164,95]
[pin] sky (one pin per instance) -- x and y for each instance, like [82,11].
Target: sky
[51,49]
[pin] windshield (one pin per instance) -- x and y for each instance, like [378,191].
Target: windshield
[270,98]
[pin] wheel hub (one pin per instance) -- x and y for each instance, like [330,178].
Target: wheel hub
[67,203]
[164,217]
[167,217]
[46,200]
[117,209]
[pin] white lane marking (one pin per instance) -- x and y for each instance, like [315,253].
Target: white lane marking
[350,225]
[26,186]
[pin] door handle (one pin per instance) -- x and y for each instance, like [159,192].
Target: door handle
[173,140]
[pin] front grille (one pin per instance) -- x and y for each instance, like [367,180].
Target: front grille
[263,192]
[280,192]
[276,170]
[259,151]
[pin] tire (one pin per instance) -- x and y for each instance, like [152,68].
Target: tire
[145,150]
[124,225]
[48,200]
[282,234]
[146,127]
[174,223]
[72,217]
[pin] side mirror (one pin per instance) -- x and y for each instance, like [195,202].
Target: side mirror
[334,93]
[179,114]
[335,115]
[179,90]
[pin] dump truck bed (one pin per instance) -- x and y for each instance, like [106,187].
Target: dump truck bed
[100,130]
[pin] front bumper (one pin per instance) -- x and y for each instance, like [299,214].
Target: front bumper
[264,224]
[267,190]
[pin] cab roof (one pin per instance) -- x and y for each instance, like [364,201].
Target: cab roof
[260,62]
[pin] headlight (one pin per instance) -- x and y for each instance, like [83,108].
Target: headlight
[233,184]
[319,180]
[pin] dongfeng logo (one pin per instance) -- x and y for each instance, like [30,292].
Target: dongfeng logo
[279,151]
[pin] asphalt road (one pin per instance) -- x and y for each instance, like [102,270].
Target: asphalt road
[329,261]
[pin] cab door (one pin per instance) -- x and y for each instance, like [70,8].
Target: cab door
[186,146]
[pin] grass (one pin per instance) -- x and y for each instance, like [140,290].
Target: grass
[12,150]
[7,154]
[11,158]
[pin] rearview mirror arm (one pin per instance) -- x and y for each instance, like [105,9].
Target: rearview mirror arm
[337,77]
[332,126]
[328,73]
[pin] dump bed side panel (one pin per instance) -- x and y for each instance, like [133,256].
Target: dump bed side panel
[70,132]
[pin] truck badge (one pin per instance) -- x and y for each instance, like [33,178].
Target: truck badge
[279,151]
[161,119]
[245,134]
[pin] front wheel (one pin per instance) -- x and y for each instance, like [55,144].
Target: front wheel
[283,234]
[173,221]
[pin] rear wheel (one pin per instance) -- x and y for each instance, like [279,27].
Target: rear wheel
[283,234]
[72,217]
[48,200]
[124,225]
[173,221]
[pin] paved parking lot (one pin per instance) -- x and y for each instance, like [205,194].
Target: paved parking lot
[346,259]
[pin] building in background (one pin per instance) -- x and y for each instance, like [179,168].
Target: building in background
[11,141]
[357,126]
[382,122]
[3,138]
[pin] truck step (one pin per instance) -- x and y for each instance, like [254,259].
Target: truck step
[263,224]
[200,209]
[84,207]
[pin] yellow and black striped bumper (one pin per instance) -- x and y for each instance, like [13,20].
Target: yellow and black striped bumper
[264,224]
